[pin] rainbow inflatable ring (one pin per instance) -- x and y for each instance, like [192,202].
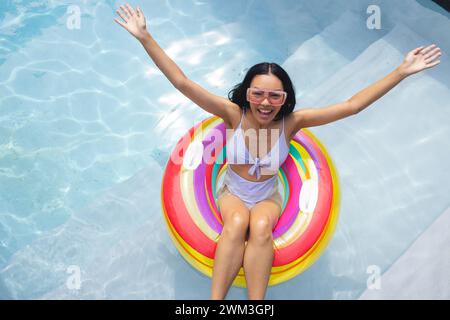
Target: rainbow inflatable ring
[309,213]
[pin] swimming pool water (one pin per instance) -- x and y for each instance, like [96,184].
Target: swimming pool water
[87,123]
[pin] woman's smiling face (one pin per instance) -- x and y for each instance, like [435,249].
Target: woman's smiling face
[267,82]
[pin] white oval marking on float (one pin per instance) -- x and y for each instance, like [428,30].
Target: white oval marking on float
[193,155]
[308,196]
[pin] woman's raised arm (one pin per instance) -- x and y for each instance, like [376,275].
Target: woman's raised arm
[134,23]
[415,61]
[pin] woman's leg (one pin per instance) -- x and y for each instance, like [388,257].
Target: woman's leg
[230,247]
[258,256]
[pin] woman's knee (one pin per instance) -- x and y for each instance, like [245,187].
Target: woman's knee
[260,229]
[236,226]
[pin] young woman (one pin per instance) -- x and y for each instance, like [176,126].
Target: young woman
[249,201]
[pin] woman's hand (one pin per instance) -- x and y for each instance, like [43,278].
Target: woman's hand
[420,59]
[134,21]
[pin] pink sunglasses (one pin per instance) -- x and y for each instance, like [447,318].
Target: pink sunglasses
[275,97]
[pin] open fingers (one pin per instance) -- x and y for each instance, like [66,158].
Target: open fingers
[428,49]
[130,10]
[433,57]
[125,18]
[119,22]
[432,53]
[433,64]
[125,13]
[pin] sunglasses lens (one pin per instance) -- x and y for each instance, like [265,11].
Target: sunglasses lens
[274,97]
